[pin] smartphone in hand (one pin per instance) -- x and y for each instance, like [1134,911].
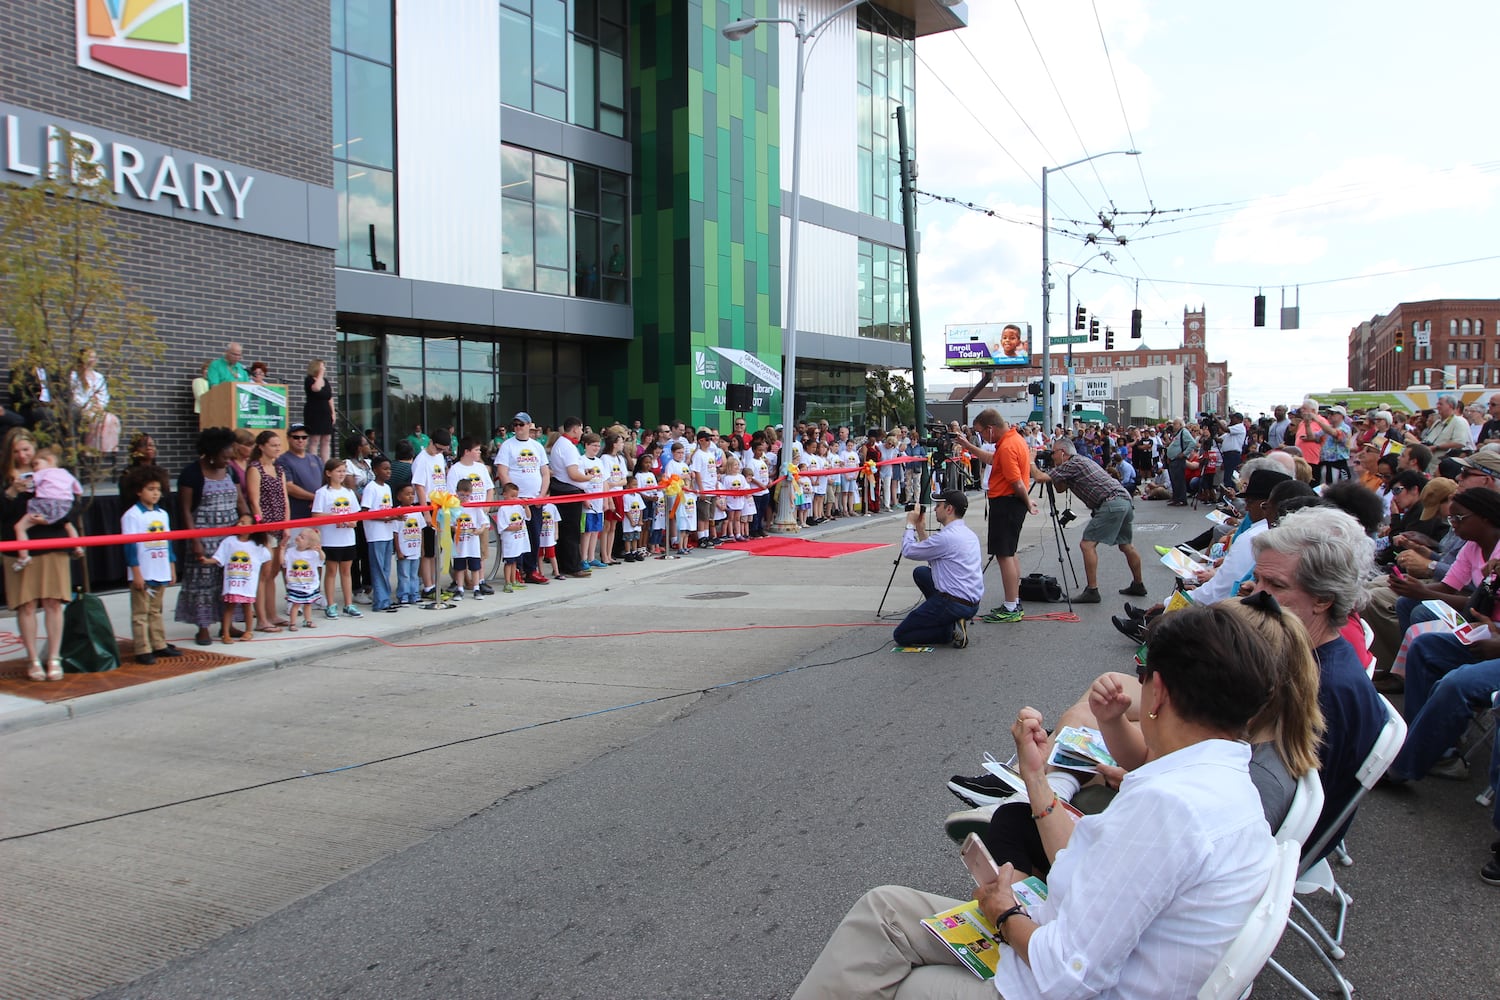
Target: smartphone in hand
[1397,572]
[978,860]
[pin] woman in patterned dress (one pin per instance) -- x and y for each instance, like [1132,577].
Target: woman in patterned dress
[265,485]
[210,496]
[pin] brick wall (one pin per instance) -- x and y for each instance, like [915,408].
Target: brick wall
[261,98]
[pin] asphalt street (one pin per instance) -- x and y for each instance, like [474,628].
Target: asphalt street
[700,845]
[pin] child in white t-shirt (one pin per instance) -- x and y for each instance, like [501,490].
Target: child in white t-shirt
[514,541]
[333,497]
[546,541]
[635,511]
[301,568]
[681,509]
[733,479]
[654,519]
[408,548]
[380,533]
[468,565]
[242,555]
[593,516]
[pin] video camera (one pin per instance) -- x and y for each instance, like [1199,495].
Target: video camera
[939,438]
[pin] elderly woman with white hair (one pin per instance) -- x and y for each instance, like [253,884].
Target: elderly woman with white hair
[1314,563]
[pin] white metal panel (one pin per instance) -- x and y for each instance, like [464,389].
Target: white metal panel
[829,122]
[828,270]
[448,140]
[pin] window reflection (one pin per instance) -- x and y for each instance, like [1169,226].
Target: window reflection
[564,227]
[364,133]
[565,59]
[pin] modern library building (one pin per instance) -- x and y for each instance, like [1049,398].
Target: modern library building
[474,207]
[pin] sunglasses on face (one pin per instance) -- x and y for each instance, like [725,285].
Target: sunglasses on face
[298,437]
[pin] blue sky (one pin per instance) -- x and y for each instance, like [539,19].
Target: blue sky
[1349,139]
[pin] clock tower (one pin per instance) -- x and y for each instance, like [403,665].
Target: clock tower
[1193,328]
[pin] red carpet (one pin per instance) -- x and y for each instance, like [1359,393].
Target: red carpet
[799,548]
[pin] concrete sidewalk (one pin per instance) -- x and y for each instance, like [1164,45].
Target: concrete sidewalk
[283,649]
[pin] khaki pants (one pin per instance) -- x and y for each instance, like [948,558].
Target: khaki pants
[146,626]
[880,949]
[1380,613]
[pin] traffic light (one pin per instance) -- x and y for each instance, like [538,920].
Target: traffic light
[1109,339]
[1400,340]
[1094,328]
[1135,324]
[1260,310]
[1080,319]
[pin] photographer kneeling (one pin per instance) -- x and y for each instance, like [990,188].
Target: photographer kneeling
[1113,510]
[953,580]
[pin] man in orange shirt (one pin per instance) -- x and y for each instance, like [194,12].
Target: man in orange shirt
[1009,480]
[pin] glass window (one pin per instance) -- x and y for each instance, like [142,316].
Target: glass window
[367,28]
[369,113]
[367,198]
[569,358]
[515,173]
[582,106]
[476,414]
[585,189]
[441,389]
[515,59]
[441,352]
[549,43]
[551,238]
[541,397]
[403,395]
[340,130]
[538,358]
[587,272]
[479,355]
[517,244]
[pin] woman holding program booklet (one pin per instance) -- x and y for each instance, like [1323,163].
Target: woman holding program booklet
[1163,878]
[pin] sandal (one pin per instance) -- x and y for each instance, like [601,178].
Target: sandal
[291,626]
[309,624]
[54,669]
[35,671]
[268,628]
[224,638]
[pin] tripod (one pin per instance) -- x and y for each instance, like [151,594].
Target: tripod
[924,499]
[1060,520]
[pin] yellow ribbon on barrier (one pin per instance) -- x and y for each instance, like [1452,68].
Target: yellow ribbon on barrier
[671,487]
[871,473]
[444,507]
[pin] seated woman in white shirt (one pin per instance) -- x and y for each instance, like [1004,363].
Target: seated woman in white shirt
[1144,897]
[1283,737]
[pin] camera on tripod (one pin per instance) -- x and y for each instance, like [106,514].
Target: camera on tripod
[938,438]
[1066,517]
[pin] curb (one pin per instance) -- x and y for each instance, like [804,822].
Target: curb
[46,713]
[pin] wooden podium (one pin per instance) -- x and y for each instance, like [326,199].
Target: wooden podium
[250,405]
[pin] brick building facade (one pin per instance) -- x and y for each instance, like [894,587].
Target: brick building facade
[260,99]
[1448,342]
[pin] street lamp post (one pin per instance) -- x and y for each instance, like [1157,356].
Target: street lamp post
[1067,312]
[1047,285]
[786,518]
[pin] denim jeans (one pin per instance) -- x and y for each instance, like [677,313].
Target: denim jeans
[408,581]
[931,622]
[1409,612]
[1444,682]
[380,574]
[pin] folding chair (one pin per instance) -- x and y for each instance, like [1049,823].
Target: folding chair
[1317,874]
[1481,728]
[1248,952]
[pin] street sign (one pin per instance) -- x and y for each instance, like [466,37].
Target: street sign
[1076,339]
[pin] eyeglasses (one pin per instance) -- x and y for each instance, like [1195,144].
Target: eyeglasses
[1397,489]
[298,437]
[1456,519]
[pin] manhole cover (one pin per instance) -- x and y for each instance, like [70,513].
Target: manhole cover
[1156,527]
[717,595]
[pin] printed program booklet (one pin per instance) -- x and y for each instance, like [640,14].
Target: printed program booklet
[1079,749]
[1185,563]
[970,935]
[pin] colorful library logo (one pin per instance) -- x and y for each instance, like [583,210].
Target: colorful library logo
[140,41]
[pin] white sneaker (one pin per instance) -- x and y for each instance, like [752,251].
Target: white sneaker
[457,595]
[960,824]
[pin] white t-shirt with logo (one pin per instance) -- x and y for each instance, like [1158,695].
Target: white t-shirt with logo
[242,561]
[409,536]
[593,468]
[513,538]
[377,496]
[476,474]
[634,508]
[547,537]
[301,573]
[736,482]
[429,472]
[154,558]
[707,468]
[335,501]
[466,528]
[758,471]
[523,461]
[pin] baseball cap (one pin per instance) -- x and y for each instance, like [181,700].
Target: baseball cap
[957,499]
[521,418]
[1339,410]
[295,428]
[1484,460]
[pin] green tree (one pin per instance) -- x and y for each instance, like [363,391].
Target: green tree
[62,294]
[888,398]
